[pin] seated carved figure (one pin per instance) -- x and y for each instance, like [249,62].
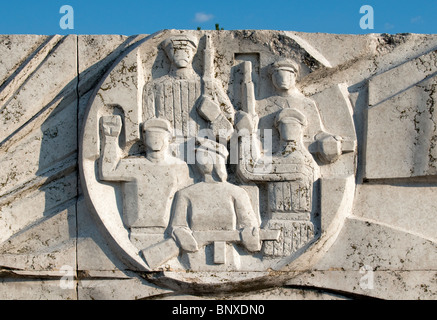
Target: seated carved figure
[148,182]
[284,74]
[290,174]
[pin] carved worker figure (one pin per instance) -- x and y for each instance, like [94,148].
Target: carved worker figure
[148,182]
[327,147]
[211,216]
[290,174]
[189,102]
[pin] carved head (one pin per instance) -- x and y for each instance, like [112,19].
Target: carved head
[290,123]
[284,74]
[156,134]
[181,49]
[211,158]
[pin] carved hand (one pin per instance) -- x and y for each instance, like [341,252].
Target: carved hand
[246,123]
[111,126]
[329,148]
[185,239]
[251,239]
[208,109]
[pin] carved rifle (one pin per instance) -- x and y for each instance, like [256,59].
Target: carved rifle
[167,249]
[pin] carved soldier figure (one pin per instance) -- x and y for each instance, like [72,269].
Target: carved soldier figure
[148,183]
[284,73]
[183,98]
[290,174]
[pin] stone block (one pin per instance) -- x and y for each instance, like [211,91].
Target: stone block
[401,129]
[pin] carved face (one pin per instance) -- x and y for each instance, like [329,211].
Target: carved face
[290,130]
[204,161]
[181,55]
[283,79]
[156,140]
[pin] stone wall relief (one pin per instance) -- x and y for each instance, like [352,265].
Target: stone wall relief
[169,196]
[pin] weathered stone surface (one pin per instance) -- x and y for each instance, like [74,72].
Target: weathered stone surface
[401,121]
[237,164]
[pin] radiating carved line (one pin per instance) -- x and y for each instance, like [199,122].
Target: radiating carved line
[24,60]
[41,41]
[403,90]
[309,48]
[66,95]
[15,82]
[23,259]
[59,170]
[59,209]
[371,64]
[386,225]
[19,274]
[89,78]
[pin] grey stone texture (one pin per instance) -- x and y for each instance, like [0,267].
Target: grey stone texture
[367,222]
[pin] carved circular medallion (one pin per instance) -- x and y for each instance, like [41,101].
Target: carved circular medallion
[205,157]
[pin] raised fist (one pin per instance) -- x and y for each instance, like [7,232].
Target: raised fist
[329,148]
[111,125]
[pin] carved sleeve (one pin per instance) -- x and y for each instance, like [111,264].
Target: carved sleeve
[224,102]
[243,209]
[179,228]
[179,211]
[112,167]
[183,176]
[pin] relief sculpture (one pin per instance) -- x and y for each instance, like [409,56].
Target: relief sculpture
[189,101]
[291,171]
[184,199]
[222,164]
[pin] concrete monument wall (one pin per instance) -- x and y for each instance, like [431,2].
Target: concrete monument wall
[218,164]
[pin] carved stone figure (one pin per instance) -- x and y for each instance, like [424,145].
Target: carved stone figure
[292,171]
[214,214]
[290,174]
[284,73]
[189,102]
[148,182]
[258,211]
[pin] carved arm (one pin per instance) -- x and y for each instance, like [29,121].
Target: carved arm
[331,147]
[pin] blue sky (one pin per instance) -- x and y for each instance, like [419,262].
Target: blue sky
[131,17]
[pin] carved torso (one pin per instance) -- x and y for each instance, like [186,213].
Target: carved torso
[150,185]
[175,100]
[213,206]
[269,107]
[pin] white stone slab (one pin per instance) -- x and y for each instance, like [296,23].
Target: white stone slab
[343,208]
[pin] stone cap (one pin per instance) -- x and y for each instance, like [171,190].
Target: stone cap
[180,39]
[288,65]
[208,145]
[157,124]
